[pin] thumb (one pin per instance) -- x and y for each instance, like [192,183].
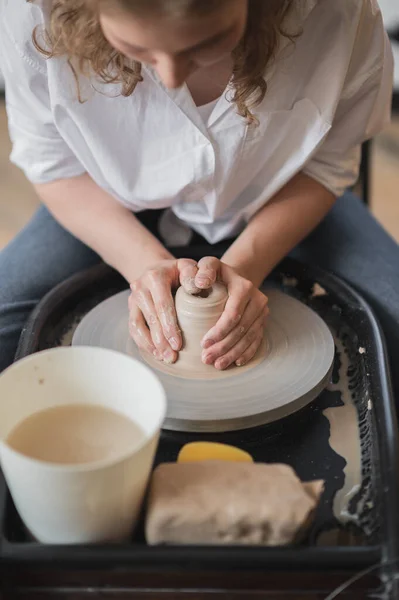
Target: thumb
[208,271]
[187,272]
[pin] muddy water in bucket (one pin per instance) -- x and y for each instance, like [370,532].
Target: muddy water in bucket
[75,434]
[196,316]
[79,428]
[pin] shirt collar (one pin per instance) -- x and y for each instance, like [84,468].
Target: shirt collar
[182,96]
[183,99]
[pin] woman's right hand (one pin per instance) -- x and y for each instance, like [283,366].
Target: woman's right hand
[152,317]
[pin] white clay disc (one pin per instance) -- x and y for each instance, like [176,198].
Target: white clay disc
[297,367]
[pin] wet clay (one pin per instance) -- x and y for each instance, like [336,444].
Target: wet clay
[196,315]
[345,440]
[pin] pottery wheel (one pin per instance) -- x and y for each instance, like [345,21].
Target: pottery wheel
[297,367]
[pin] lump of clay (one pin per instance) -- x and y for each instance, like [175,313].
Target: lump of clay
[219,502]
[196,316]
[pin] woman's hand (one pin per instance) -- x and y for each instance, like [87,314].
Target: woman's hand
[152,316]
[238,334]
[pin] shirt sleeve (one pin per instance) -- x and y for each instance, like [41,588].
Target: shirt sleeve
[364,107]
[37,146]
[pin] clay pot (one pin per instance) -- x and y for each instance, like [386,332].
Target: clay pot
[196,316]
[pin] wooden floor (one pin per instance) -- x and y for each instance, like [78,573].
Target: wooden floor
[18,201]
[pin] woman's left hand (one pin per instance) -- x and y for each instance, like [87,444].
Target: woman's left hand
[238,334]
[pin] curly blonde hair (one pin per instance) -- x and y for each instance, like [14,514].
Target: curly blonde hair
[74,31]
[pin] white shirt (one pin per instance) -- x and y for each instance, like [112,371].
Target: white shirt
[326,94]
[205,110]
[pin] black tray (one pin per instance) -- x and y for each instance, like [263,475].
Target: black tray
[300,440]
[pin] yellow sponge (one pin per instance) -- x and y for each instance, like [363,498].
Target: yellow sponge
[202,451]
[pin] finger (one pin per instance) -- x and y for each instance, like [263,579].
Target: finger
[187,272]
[253,311]
[239,297]
[131,302]
[146,305]
[254,334]
[208,268]
[165,310]
[140,333]
[249,352]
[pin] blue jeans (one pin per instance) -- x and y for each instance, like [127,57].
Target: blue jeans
[349,242]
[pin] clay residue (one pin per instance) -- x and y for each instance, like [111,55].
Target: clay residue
[189,285]
[318,291]
[66,339]
[345,440]
[289,281]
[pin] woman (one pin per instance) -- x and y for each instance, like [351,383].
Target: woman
[242,119]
